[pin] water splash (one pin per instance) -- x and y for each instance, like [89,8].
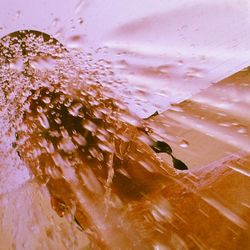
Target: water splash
[94,156]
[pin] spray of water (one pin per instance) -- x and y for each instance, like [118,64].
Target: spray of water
[97,160]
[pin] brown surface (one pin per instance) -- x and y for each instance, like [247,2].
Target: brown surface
[214,123]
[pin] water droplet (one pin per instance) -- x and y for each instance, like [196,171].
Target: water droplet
[18,14]
[226,212]
[147,166]
[164,69]
[43,121]
[58,120]
[193,73]
[79,139]
[79,6]
[184,27]
[74,109]
[106,147]
[242,129]
[42,62]
[80,20]
[46,100]
[242,171]
[184,144]
[225,124]
[67,145]
[180,62]
[75,41]
[55,22]
[40,109]
[17,64]
[89,125]
[121,64]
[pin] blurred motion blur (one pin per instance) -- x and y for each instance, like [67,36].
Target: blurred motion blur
[104,105]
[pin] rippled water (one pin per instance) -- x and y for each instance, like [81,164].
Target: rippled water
[82,169]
